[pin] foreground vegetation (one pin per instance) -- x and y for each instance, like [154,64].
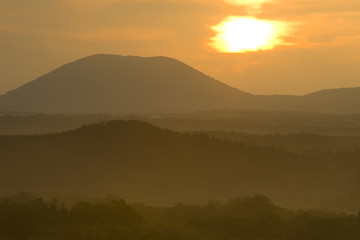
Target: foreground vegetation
[242,218]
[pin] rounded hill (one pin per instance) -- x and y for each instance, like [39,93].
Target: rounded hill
[122,84]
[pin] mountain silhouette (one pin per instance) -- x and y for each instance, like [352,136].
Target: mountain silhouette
[129,84]
[122,84]
[343,100]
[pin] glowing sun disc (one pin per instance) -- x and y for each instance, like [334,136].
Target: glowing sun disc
[247,34]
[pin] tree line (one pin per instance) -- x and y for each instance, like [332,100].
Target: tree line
[250,218]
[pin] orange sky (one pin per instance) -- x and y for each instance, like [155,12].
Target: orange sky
[39,35]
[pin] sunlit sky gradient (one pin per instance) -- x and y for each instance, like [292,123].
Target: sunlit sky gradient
[39,35]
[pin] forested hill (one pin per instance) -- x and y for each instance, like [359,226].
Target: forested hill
[144,163]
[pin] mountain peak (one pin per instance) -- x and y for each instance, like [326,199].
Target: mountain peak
[105,83]
[115,57]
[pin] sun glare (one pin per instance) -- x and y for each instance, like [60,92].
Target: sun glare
[248,34]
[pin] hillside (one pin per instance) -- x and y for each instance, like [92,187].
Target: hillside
[128,84]
[144,163]
[122,84]
[346,94]
[343,100]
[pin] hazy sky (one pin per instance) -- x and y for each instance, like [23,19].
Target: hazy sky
[321,48]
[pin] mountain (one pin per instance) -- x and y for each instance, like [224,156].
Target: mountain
[344,94]
[343,100]
[122,84]
[144,163]
[339,101]
[128,84]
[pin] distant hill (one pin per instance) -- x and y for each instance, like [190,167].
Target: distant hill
[340,101]
[141,162]
[122,84]
[128,84]
[245,121]
[343,100]
[345,94]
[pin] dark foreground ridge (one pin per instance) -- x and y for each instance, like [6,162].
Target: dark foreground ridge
[145,163]
[250,218]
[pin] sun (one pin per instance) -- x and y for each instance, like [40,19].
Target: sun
[248,34]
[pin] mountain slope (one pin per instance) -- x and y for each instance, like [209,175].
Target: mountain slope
[348,94]
[126,84]
[343,100]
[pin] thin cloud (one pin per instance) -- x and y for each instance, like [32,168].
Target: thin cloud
[298,8]
[252,6]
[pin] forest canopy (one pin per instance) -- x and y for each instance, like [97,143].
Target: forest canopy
[255,217]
